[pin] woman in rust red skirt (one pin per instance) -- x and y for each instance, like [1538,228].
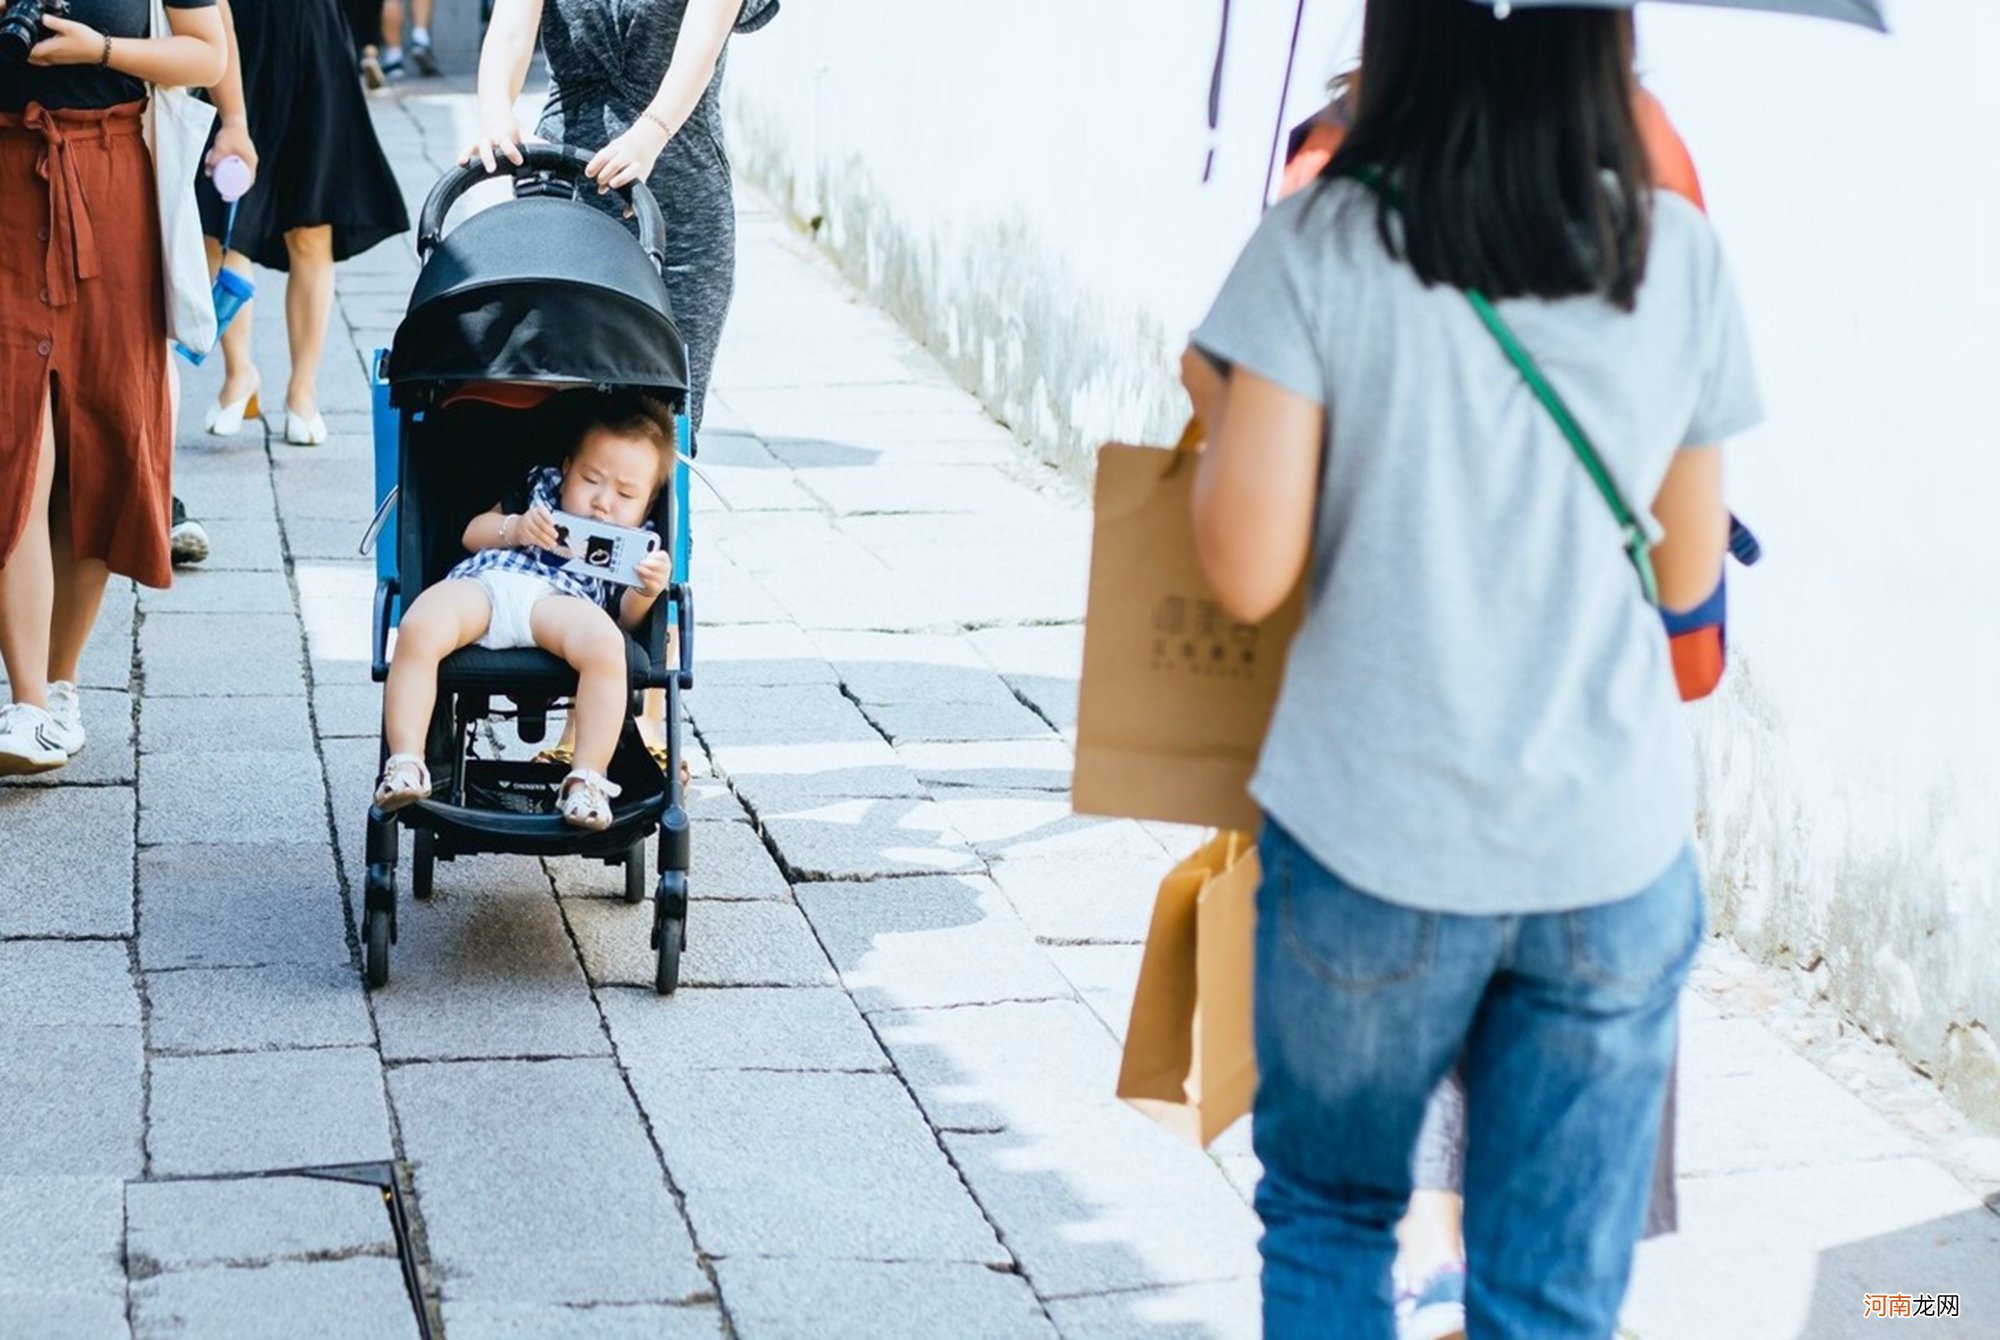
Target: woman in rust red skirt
[86,432]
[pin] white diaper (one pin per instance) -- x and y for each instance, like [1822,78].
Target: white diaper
[512,596]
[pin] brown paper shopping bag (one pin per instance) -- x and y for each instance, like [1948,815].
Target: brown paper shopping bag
[1176,695]
[1190,1060]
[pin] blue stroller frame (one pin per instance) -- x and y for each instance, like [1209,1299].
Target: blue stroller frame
[549,292]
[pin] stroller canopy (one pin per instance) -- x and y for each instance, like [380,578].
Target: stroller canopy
[539,290]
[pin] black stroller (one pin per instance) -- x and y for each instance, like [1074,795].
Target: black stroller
[539,294]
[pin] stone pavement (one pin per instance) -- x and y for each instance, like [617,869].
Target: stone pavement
[881,1104]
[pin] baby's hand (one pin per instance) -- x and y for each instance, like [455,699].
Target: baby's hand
[654,572]
[536,527]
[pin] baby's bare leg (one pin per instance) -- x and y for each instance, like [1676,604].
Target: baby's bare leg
[444,618]
[585,636]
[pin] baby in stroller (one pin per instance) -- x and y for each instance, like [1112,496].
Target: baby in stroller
[514,592]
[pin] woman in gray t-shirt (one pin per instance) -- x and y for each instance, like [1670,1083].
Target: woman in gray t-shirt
[1478,787]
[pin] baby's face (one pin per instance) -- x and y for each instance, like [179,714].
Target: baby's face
[612,479]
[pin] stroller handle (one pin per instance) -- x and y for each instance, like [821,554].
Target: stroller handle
[553,161]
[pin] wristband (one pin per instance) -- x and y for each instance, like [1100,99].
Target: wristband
[104,58]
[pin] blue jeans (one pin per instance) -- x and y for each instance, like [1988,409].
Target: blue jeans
[1566,1024]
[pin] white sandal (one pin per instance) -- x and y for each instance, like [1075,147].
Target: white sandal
[405,781]
[585,799]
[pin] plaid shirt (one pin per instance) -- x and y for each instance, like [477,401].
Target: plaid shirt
[543,485]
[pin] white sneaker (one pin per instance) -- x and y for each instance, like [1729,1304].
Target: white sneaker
[30,741]
[67,709]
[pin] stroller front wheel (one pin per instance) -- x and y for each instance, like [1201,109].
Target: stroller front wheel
[377,947]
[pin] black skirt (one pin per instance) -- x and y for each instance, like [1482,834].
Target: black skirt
[319,162]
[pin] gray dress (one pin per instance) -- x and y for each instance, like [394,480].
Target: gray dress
[606,60]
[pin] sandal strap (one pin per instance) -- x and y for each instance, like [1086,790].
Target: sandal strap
[397,762]
[594,783]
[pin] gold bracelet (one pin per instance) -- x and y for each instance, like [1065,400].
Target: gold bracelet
[659,121]
[104,60]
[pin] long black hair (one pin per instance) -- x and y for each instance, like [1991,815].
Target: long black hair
[1511,144]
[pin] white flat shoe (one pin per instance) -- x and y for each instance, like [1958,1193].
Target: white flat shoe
[304,432]
[227,420]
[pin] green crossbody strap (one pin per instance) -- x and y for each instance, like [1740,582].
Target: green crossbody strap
[1637,548]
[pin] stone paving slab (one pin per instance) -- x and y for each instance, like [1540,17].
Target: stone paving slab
[1108,1207]
[488,972]
[1013,825]
[989,765]
[786,1299]
[868,839]
[225,726]
[34,1315]
[738,1028]
[931,943]
[1746,1069]
[979,489]
[728,862]
[242,544]
[62,1238]
[775,779]
[920,722]
[1105,976]
[255,1111]
[364,1296]
[748,655]
[1042,664]
[861,1178]
[1791,1252]
[257,1009]
[230,799]
[781,715]
[66,866]
[1104,899]
[240,906]
[218,591]
[728,944]
[619,1321]
[236,655]
[107,758]
[1230,1310]
[71,1104]
[1019,1065]
[249,1221]
[538,1185]
[50,983]
[348,711]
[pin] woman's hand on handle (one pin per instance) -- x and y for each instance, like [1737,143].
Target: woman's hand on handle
[504,59]
[629,158]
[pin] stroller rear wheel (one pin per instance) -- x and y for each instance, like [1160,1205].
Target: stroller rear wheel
[423,864]
[635,872]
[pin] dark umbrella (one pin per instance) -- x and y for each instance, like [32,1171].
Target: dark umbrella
[1867,13]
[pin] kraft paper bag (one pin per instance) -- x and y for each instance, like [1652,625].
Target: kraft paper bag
[1176,695]
[1190,1059]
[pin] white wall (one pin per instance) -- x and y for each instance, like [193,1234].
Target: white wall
[1021,184]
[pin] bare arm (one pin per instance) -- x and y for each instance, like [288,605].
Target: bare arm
[1688,563]
[1254,493]
[697,49]
[500,529]
[194,57]
[503,69]
[232,109]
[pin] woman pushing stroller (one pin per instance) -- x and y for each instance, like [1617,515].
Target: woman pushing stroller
[515,592]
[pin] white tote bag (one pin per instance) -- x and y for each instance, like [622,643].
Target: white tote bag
[177,126]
